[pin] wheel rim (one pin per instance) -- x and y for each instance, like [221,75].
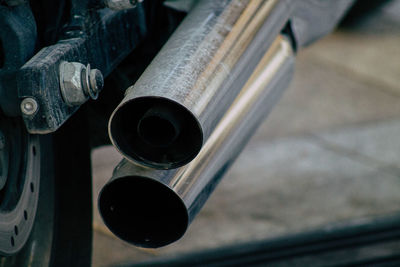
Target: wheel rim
[19,184]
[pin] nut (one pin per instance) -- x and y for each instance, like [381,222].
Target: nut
[71,83]
[78,83]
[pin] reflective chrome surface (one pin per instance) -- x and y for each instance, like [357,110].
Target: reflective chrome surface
[196,77]
[152,208]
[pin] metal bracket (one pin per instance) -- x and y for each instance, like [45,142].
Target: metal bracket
[109,41]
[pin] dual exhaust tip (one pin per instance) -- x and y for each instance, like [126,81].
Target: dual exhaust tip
[182,124]
[160,134]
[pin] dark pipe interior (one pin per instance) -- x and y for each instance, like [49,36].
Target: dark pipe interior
[159,127]
[156,132]
[142,211]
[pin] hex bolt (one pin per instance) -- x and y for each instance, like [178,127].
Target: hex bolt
[29,106]
[79,83]
[121,4]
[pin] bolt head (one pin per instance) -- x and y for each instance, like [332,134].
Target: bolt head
[29,106]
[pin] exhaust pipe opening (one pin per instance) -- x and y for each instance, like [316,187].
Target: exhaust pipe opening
[156,132]
[142,211]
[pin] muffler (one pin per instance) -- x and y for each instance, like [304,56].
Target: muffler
[152,208]
[172,109]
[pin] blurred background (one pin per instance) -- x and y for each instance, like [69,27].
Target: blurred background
[328,153]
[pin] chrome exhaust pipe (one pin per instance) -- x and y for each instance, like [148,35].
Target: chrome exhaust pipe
[166,117]
[153,208]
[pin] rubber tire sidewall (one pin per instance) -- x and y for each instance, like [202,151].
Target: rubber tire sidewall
[62,233]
